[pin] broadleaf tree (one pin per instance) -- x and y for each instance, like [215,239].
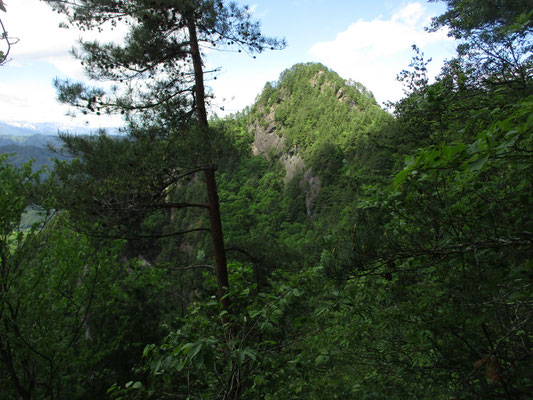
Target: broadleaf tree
[495,40]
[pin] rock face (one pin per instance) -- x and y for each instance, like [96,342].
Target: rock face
[267,142]
[312,186]
[294,165]
[267,139]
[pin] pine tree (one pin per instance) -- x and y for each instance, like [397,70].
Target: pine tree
[160,62]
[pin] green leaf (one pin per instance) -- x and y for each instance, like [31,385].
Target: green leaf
[321,359]
[148,349]
[409,160]
[250,353]
[449,152]
[400,178]
[197,348]
[478,163]
[112,389]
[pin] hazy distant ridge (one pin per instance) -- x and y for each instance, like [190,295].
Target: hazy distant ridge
[44,128]
[37,140]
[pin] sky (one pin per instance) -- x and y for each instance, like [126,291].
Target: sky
[366,41]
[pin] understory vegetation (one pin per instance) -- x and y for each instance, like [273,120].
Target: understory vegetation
[369,255]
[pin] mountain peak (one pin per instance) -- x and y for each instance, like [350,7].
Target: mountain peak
[312,104]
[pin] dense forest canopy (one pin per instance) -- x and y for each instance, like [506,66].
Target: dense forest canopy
[369,255]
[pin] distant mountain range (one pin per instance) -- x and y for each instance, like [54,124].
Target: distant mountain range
[24,142]
[43,128]
[36,140]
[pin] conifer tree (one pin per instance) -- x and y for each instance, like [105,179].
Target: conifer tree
[160,62]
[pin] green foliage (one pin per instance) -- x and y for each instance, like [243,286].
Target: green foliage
[21,154]
[448,275]
[214,354]
[311,103]
[131,186]
[389,282]
[73,318]
[34,345]
[496,47]
[326,160]
[492,19]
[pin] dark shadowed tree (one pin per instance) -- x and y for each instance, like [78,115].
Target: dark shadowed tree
[160,64]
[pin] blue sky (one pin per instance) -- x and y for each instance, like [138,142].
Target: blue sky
[367,41]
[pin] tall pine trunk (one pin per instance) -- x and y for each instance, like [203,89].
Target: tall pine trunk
[209,173]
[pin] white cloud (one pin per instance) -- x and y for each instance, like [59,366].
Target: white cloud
[36,27]
[17,105]
[68,65]
[411,14]
[42,44]
[256,11]
[233,92]
[374,52]
[40,38]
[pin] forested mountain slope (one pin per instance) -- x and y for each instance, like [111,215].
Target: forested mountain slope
[305,151]
[40,156]
[22,149]
[370,256]
[316,124]
[310,105]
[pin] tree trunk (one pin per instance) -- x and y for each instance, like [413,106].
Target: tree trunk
[6,357]
[209,173]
